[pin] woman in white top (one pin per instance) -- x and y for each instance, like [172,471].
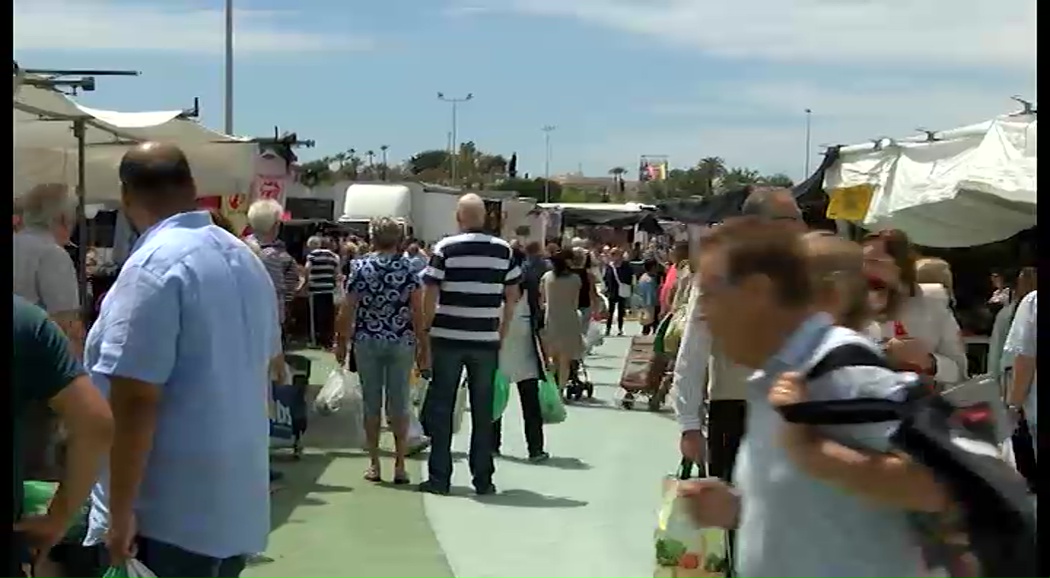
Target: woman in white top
[916,326]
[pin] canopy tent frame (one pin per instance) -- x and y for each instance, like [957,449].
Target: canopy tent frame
[84,80]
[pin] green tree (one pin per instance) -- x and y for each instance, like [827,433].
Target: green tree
[739,177]
[428,160]
[777,180]
[710,169]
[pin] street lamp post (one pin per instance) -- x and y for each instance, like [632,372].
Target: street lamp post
[547,130]
[809,135]
[228,96]
[455,102]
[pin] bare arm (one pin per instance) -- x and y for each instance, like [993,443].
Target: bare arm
[511,294]
[59,293]
[89,425]
[891,479]
[1023,375]
[419,319]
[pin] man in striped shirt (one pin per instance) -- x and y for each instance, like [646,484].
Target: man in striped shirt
[471,289]
[322,268]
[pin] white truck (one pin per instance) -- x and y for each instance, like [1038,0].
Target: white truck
[428,211]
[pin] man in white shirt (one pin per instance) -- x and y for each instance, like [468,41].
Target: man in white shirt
[702,374]
[1021,343]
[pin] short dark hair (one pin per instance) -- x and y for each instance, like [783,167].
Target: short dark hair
[561,262]
[754,246]
[155,175]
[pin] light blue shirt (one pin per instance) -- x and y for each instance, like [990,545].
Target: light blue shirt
[1021,340]
[794,525]
[194,311]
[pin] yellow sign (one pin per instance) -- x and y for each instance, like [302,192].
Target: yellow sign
[850,203]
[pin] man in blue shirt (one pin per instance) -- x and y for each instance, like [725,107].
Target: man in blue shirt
[759,302]
[182,347]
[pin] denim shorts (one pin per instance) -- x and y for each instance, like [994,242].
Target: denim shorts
[385,369]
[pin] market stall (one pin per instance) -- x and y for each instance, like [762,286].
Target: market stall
[957,188]
[49,128]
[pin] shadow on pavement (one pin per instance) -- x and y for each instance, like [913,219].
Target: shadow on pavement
[297,485]
[520,498]
[559,462]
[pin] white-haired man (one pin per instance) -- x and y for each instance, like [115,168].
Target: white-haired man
[45,276]
[471,289]
[322,270]
[264,217]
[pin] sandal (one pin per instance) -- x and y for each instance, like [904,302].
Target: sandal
[372,475]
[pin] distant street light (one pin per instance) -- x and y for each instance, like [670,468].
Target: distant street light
[547,130]
[809,135]
[455,143]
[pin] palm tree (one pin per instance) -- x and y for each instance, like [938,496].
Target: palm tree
[383,166]
[711,169]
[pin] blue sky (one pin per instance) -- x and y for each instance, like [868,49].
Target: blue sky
[618,78]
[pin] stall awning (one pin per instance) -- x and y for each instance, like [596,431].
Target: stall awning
[965,187]
[46,146]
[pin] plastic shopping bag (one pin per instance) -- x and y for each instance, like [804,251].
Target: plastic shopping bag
[595,336]
[130,569]
[684,550]
[459,409]
[500,395]
[353,407]
[552,408]
[334,392]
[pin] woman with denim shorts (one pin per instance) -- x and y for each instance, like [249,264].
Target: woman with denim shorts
[382,316]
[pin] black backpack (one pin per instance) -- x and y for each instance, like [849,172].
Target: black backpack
[997,512]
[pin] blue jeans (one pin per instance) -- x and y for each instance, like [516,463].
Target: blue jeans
[385,368]
[447,363]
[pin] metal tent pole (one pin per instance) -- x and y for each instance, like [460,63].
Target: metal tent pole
[80,132]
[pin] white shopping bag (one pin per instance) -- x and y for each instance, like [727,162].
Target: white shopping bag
[334,392]
[683,550]
[595,336]
[353,408]
[459,409]
[130,569]
[1006,451]
[415,429]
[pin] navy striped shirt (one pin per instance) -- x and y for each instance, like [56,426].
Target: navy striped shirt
[472,270]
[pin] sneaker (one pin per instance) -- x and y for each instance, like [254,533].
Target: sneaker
[620,333]
[539,458]
[429,487]
[487,490]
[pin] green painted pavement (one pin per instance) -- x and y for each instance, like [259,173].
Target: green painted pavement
[327,521]
[588,512]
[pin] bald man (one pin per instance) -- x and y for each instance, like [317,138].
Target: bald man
[183,347]
[471,289]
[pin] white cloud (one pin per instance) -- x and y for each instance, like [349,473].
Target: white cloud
[763,125]
[170,27]
[992,33]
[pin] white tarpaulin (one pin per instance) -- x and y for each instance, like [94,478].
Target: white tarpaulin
[46,147]
[971,186]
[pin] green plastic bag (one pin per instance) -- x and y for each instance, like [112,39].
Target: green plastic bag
[500,395]
[36,497]
[130,569]
[552,408]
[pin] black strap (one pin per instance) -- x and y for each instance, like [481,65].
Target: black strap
[844,411]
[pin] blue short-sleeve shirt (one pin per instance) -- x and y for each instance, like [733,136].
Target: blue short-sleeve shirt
[194,312]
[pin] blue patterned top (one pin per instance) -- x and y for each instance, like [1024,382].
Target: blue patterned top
[383,285]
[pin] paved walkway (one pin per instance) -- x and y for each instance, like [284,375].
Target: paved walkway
[588,512]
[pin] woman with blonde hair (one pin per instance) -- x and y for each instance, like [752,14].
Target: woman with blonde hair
[382,317]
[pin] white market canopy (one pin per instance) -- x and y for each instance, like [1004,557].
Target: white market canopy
[46,146]
[970,186]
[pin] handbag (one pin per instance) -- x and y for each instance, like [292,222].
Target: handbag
[623,290]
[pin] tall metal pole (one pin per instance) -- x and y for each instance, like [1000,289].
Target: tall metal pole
[454,137]
[79,131]
[228,97]
[547,129]
[809,135]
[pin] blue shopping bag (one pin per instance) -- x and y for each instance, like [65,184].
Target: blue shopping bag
[282,424]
